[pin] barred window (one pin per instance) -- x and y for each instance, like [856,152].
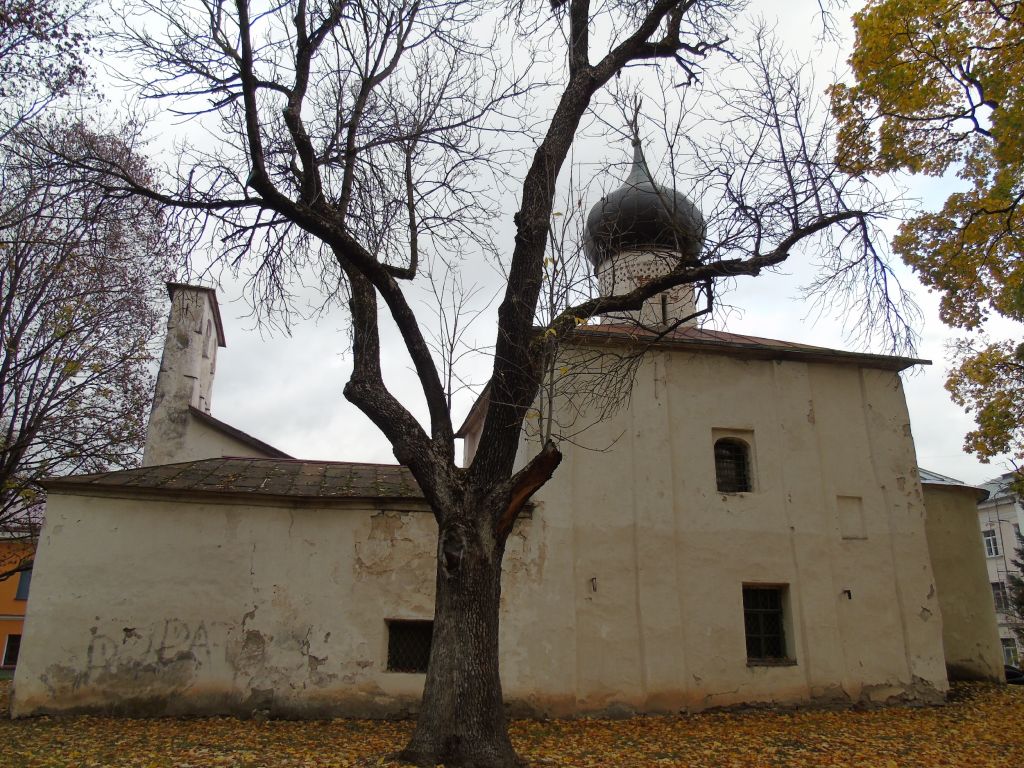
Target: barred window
[409,645]
[732,465]
[764,624]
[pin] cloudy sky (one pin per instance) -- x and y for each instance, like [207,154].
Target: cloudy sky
[286,389]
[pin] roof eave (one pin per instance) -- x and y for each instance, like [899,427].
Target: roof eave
[71,487]
[758,351]
[475,412]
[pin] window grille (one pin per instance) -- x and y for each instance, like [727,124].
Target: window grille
[1001,598]
[409,645]
[991,543]
[763,620]
[11,648]
[732,465]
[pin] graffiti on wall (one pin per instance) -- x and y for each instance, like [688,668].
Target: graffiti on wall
[173,642]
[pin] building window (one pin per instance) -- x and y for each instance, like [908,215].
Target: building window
[1010,651]
[1002,600]
[732,465]
[24,581]
[409,645]
[11,648]
[207,337]
[764,624]
[991,543]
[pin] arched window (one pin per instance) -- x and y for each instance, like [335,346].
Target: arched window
[732,465]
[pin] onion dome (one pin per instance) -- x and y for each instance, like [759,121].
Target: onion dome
[642,215]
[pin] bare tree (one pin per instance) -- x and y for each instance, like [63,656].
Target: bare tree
[360,135]
[81,297]
[455,309]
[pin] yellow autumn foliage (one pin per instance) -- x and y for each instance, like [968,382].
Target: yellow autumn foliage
[939,90]
[979,728]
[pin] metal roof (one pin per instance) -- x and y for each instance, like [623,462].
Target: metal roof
[688,337]
[643,215]
[934,478]
[253,478]
[1000,487]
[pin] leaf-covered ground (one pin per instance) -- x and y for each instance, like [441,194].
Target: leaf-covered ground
[982,726]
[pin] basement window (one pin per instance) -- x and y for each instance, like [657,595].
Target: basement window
[409,645]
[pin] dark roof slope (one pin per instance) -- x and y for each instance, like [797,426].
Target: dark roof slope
[254,478]
[704,339]
[242,437]
[642,215]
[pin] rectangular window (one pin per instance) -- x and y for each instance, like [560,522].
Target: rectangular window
[1010,652]
[764,624]
[409,645]
[24,581]
[991,543]
[11,648]
[1002,600]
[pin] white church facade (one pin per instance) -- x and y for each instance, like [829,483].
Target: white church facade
[754,530]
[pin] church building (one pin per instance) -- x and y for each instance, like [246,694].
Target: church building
[747,526]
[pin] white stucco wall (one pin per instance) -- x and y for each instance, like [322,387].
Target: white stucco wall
[669,555]
[144,606]
[203,441]
[969,630]
[622,593]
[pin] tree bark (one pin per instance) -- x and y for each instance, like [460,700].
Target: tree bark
[462,718]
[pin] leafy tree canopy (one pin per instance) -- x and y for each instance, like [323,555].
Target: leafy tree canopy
[938,91]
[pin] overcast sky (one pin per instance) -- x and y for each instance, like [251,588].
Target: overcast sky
[288,390]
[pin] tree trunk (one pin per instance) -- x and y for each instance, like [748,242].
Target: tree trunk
[462,717]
